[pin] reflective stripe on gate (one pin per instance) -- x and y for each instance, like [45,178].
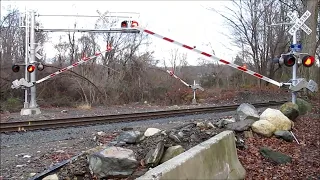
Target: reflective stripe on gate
[257,75]
[84,59]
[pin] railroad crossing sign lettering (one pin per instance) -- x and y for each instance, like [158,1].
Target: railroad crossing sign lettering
[299,23]
[38,48]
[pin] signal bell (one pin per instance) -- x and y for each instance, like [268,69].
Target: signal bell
[308,61]
[287,59]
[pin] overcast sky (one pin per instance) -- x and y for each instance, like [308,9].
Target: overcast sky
[186,21]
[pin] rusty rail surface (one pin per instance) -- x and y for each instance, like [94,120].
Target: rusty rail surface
[116,118]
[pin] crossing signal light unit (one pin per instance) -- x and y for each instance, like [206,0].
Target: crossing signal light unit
[125,24]
[15,68]
[31,68]
[287,59]
[308,61]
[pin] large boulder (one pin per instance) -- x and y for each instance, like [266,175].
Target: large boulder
[290,110]
[240,126]
[304,106]
[274,156]
[247,111]
[112,161]
[263,127]
[172,152]
[277,118]
[154,156]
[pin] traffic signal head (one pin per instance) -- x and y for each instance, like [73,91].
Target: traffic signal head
[124,24]
[287,59]
[308,61]
[31,68]
[15,68]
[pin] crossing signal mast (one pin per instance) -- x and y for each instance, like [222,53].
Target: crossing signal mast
[295,58]
[31,65]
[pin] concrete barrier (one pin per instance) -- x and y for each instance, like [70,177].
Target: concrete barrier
[215,158]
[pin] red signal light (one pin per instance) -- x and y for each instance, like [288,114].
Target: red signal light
[124,24]
[308,61]
[31,68]
[134,24]
[15,68]
[288,60]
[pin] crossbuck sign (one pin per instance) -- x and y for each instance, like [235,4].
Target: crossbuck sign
[299,23]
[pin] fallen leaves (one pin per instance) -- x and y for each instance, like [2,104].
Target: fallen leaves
[305,156]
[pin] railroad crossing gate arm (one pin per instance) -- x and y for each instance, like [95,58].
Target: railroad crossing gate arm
[22,83]
[172,74]
[257,75]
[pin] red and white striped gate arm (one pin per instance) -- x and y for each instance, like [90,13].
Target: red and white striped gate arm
[172,74]
[257,75]
[83,60]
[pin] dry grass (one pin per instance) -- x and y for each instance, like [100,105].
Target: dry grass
[84,106]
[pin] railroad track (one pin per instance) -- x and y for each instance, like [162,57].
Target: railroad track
[92,120]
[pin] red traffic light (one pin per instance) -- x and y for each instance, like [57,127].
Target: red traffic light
[15,68]
[124,24]
[288,60]
[31,68]
[134,24]
[308,61]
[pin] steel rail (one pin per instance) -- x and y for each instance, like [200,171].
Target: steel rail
[115,118]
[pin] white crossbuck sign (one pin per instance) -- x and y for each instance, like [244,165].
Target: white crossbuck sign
[299,22]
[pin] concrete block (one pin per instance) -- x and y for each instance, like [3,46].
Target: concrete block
[30,111]
[215,158]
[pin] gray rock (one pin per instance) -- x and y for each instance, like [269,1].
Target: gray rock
[131,137]
[193,137]
[112,161]
[223,122]
[240,126]
[285,135]
[154,156]
[247,111]
[304,106]
[174,137]
[290,110]
[171,152]
[201,125]
[277,157]
[180,134]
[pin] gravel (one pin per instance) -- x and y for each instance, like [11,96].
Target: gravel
[41,145]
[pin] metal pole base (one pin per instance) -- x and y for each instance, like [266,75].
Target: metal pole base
[194,101]
[30,111]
